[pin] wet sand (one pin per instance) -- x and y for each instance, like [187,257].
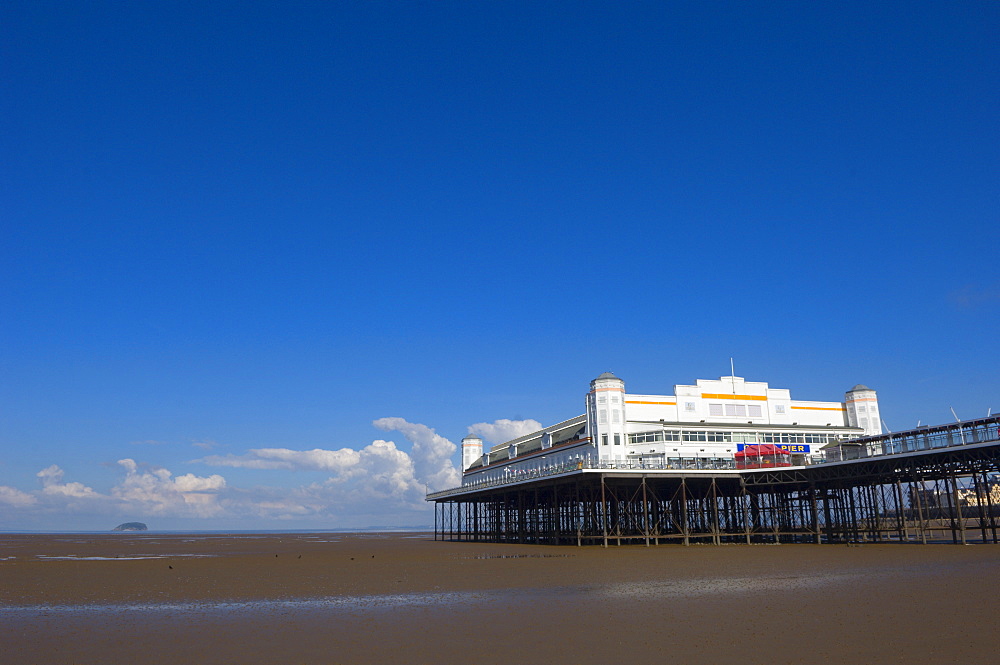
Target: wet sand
[403,598]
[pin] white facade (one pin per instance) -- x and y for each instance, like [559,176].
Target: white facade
[699,426]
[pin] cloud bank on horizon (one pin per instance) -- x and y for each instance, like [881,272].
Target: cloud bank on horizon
[375,484]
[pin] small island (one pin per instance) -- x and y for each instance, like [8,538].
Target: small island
[131,526]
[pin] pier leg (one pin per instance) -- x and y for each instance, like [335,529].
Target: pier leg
[814,518]
[745,500]
[645,512]
[990,508]
[684,512]
[904,532]
[604,513]
[918,491]
[957,509]
[855,536]
[979,505]
[716,538]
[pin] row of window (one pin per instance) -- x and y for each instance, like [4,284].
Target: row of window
[801,438]
[732,437]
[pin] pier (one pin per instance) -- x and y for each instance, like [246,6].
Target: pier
[930,484]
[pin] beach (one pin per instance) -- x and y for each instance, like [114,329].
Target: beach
[389,598]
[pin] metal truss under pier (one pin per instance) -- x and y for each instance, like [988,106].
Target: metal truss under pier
[949,494]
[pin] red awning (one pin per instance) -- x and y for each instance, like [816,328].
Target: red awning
[760,450]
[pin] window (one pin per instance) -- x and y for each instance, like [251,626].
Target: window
[753,410]
[779,409]
[604,416]
[715,409]
[601,399]
[614,399]
[614,416]
[604,439]
[646,437]
[689,407]
[736,410]
[618,440]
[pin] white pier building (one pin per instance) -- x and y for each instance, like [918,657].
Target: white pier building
[701,426]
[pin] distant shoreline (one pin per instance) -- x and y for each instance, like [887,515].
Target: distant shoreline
[413,529]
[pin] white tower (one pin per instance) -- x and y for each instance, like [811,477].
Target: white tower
[861,404]
[472,449]
[606,416]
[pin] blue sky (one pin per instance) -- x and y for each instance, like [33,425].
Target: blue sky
[263,264]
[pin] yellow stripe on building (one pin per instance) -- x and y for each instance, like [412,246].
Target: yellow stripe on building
[759,398]
[818,408]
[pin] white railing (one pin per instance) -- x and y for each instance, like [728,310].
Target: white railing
[513,477]
[964,433]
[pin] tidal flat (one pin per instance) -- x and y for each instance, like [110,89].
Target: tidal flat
[395,598]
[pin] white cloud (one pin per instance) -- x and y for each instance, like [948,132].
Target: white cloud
[156,492]
[390,472]
[377,484]
[334,461]
[52,485]
[286,507]
[247,461]
[192,483]
[431,452]
[378,471]
[364,487]
[16,498]
[503,430]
